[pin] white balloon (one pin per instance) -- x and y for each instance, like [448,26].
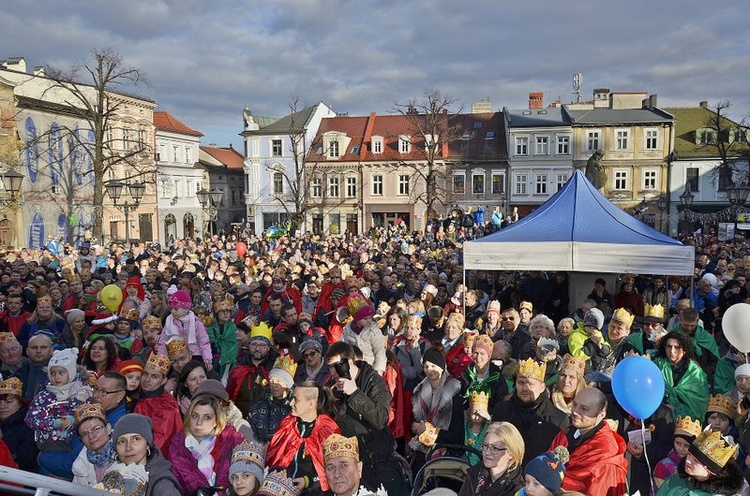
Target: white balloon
[736,326]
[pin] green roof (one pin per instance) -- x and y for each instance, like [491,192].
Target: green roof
[688,123]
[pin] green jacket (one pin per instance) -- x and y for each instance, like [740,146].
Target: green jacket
[225,343]
[690,395]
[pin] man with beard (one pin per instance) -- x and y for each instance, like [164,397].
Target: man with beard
[531,410]
[248,381]
[158,404]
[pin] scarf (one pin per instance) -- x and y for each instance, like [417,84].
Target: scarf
[435,405]
[479,385]
[105,457]
[201,451]
[73,389]
[180,324]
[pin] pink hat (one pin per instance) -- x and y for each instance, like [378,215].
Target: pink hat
[364,312]
[181,299]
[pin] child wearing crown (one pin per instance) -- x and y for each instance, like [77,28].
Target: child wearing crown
[184,323]
[477,420]
[685,432]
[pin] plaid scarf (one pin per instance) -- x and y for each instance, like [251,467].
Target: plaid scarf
[435,406]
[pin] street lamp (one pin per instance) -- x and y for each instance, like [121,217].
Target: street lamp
[686,200]
[210,201]
[137,190]
[663,204]
[738,194]
[11,181]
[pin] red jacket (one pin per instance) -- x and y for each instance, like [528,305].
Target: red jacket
[457,361]
[165,413]
[598,466]
[13,324]
[289,294]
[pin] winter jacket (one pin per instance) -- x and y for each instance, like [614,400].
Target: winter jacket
[20,441]
[161,480]
[372,343]
[479,483]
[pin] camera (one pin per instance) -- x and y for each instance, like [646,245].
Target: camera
[342,368]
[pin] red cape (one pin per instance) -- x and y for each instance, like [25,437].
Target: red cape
[165,413]
[287,440]
[457,361]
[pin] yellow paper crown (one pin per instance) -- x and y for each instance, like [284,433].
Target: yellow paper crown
[531,369]
[286,364]
[656,311]
[225,304]
[576,363]
[478,399]
[526,305]
[261,331]
[44,299]
[159,363]
[339,446]
[7,337]
[89,410]
[430,434]
[152,322]
[622,315]
[175,346]
[686,426]
[715,447]
[470,336]
[722,404]
[12,386]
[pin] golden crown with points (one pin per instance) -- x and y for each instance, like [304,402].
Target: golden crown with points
[715,447]
[655,311]
[225,304]
[531,369]
[277,484]
[722,404]
[686,426]
[261,331]
[44,299]
[88,411]
[470,336]
[339,446]
[159,363]
[287,364]
[526,305]
[152,322]
[622,315]
[175,346]
[430,434]
[249,452]
[12,386]
[576,363]
[478,399]
[7,337]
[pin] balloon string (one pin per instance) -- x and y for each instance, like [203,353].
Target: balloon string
[645,455]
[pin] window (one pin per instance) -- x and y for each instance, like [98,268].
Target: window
[622,139]
[477,184]
[316,187]
[188,188]
[276,149]
[561,180]
[691,178]
[459,186]
[334,221]
[649,179]
[593,141]
[403,184]
[165,189]
[726,178]
[333,149]
[141,138]
[740,135]
[621,180]
[652,136]
[377,145]
[541,184]
[498,184]
[110,136]
[522,146]
[542,145]
[521,184]
[404,144]
[351,187]
[187,155]
[278,183]
[563,145]
[126,139]
[377,185]
[708,137]
[333,186]
[175,153]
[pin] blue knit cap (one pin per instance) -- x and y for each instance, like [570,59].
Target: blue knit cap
[549,468]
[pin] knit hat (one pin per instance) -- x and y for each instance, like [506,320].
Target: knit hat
[283,370]
[181,299]
[73,314]
[484,342]
[212,387]
[337,293]
[129,366]
[594,318]
[743,369]
[310,344]
[434,356]
[363,313]
[277,484]
[435,312]
[549,468]
[249,457]
[305,317]
[66,359]
[134,423]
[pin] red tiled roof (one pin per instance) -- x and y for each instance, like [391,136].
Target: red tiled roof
[230,157]
[164,121]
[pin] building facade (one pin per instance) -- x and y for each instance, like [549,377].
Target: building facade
[223,169]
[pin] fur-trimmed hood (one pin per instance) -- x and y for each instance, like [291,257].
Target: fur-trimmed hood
[729,481]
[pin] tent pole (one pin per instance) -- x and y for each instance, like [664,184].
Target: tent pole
[463,296]
[690,294]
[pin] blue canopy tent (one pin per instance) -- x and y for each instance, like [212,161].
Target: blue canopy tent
[579,230]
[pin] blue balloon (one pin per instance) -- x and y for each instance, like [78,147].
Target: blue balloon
[638,386]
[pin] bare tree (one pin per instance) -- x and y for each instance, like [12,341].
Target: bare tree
[730,141]
[94,92]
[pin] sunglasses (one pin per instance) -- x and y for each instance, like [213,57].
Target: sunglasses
[309,354]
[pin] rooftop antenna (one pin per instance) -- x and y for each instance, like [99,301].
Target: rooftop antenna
[577,83]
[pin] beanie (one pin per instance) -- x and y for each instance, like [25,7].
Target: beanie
[248,457]
[214,388]
[743,369]
[181,299]
[134,423]
[362,313]
[73,314]
[594,318]
[549,469]
[434,356]
[66,359]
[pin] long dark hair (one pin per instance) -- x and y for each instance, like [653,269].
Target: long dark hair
[685,343]
[182,390]
[111,348]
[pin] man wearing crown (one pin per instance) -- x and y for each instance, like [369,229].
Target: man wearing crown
[157,403]
[248,380]
[344,469]
[531,410]
[646,341]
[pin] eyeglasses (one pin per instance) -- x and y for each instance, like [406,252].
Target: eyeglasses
[93,432]
[309,354]
[508,318]
[493,450]
[104,392]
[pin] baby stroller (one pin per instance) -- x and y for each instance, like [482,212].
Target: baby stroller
[446,472]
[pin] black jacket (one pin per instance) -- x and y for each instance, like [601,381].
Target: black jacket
[20,441]
[161,481]
[507,485]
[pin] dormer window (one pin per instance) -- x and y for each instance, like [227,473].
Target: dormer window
[333,149]
[404,144]
[377,144]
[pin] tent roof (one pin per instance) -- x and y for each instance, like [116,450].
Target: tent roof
[578,229]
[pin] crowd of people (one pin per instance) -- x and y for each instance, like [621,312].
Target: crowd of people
[343,365]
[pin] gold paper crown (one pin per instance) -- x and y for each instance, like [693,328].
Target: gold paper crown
[356,304]
[526,305]
[12,386]
[225,304]
[44,299]
[249,452]
[175,346]
[686,426]
[531,369]
[622,315]
[339,446]
[722,404]
[152,322]
[7,337]
[90,410]
[656,311]
[414,321]
[576,363]
[429,436]
[715,447]
[286,364]
[131,314]
[277,484]
[469,337]
[159,363]
[261,331]
[73,278]
[478,399]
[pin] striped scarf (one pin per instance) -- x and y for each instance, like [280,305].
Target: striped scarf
[201,451]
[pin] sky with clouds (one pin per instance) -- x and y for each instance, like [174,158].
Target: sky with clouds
[205,60]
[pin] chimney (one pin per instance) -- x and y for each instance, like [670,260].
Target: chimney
[39,71]
[601,98]
[652,102]
[703,104]
[536,100]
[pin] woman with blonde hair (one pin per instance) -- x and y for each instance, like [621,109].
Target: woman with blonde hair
[499,473]
[570,382]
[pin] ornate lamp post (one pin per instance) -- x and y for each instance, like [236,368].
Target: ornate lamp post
[11,185]
[686,198]
[210,201]
[137,190]
[663,204]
